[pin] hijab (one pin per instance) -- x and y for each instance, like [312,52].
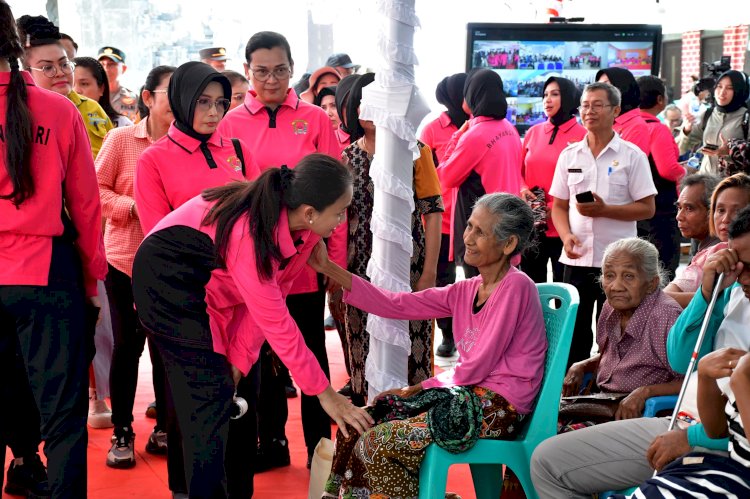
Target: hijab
[325,91]
[741,90]
[450,93]
[351,103]
[342,97]
[484,94]
[569,100]
[185,87]
[625,82]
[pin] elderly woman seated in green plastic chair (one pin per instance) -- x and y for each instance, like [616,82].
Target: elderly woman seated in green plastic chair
[631,334]
[500,335]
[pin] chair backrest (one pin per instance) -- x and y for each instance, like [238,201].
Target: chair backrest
[560,306]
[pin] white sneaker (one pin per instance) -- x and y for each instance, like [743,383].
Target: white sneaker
[100,415]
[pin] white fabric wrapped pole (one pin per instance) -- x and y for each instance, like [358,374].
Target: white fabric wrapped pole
[394,104]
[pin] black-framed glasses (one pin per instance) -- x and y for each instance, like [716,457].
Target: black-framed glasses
[595,107]
[264,74]
[203,104]
[50,70]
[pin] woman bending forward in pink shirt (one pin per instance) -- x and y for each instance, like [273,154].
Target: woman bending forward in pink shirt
[499,333]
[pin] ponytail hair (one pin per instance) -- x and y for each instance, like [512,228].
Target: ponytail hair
[318,180]
[153,80]
[18,124]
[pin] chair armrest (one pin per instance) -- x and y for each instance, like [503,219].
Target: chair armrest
[656,404]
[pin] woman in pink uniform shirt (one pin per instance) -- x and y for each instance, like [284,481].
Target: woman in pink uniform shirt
[500,336]
[483,157]
[542,145]
[210,283]
[629,123]
[50,261]
[437,134]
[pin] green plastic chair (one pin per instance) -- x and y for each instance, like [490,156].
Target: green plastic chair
[486,458]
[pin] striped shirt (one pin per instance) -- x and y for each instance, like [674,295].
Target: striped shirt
[739,449]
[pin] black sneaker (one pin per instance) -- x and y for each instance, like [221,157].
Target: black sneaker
[28,479]
[446,349]
[273,455]
[122,453]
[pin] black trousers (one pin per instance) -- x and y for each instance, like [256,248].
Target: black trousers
[49,325]
[307,311]
[200,389]
[129,339]
[534,260]
[663,232]
[446,274]
[586,281]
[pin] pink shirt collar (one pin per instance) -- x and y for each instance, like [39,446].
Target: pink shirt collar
[253,105]
[444,120]
[548,126]
[480,119]
[626,117]
[189,143]
[140,129]
[284,237]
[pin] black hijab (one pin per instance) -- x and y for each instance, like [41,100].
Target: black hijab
[625,82]
[348,106]
[570,98]
[484,94]
[741,90]
[450,93]
[325,91]
[185,87]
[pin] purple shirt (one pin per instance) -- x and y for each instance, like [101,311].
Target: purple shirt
[502,347]
[637,357]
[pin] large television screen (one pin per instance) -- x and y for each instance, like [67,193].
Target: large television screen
[525,55]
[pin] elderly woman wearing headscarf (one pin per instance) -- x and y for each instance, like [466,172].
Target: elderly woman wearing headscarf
[629,124]
[483,156]
[436,134]
[425,229]
[542,145]
[726,121]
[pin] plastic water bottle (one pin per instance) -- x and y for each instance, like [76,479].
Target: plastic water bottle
[694,162]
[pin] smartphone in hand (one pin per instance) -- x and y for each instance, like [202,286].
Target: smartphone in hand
[585,197]
[710,147]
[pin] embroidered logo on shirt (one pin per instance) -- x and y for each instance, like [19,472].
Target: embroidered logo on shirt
[299,127]
[234,163]
[470,338]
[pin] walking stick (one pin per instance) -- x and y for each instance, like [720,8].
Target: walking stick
[694,357]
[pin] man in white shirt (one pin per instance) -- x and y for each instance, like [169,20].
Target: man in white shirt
[602,187]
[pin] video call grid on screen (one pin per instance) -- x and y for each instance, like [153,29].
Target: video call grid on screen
[525,55]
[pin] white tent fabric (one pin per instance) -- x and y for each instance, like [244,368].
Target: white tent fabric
[394,104]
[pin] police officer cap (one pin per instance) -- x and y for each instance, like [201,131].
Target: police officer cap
[214,54]
[113,53]
[341,60]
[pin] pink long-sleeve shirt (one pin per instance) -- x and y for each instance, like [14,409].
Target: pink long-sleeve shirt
[245,309]
[174,170]
[632,127]
[502,347]
[663,149]
[489,147]
[437,134]
[63,170]
[539,157]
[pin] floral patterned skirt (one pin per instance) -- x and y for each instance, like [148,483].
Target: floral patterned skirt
[384,462]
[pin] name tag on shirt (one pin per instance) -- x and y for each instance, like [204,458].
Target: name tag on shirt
[575,170]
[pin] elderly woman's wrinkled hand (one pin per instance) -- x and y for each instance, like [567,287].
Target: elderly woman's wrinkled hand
[725,261]
[572,381]
[343,412]
[632,406]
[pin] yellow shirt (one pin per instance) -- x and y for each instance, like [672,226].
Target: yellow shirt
[96,120]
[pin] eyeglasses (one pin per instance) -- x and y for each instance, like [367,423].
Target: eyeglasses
[595,107]
[238,98]
[159,91]
[278,73]
[205,105]
[50,70]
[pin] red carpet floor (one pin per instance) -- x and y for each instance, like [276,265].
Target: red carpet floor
[148,480]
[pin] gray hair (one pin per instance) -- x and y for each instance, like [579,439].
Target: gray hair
[708,181]
[613,93]
[672,107]
[645,254]
[514,218]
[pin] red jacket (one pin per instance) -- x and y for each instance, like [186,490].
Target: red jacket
[63,172]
